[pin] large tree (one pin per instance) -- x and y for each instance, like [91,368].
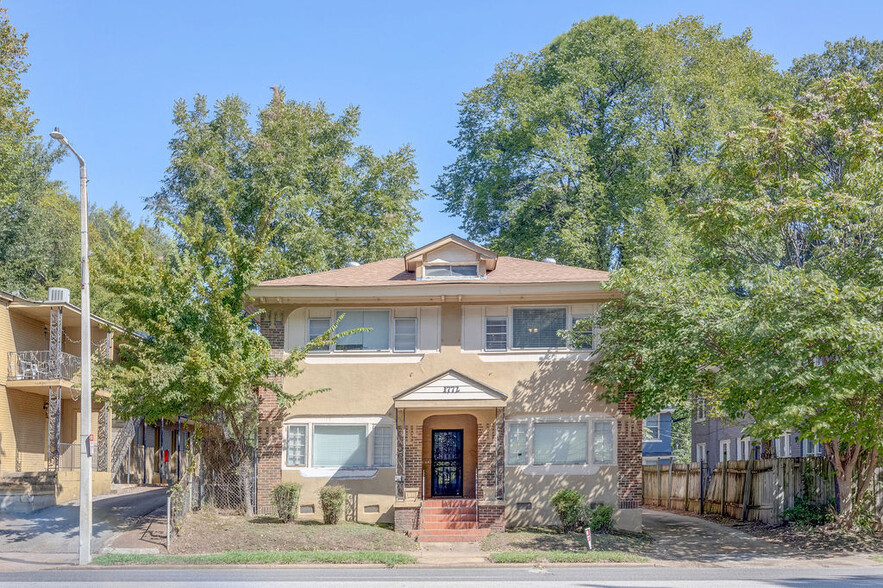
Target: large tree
[767,298]
[336,201]
[561,145]
[855,55]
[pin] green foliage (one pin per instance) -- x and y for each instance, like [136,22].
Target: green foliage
[598,518]
[285,498]
[332,500]
[333,200]
[855,55]
[771,282]
[805,513]
[568,505]
[562,145]
[556,556]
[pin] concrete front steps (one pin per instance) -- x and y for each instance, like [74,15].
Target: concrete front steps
[449,520]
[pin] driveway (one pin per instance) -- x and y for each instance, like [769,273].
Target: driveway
[54,530]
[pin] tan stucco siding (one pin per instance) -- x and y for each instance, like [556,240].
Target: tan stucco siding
[369,495]
[534,492]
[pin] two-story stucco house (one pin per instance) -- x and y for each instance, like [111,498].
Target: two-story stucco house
[462,404]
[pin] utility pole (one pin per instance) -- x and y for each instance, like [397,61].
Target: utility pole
[85,550]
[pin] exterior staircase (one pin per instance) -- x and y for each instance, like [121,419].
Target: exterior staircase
[449,520]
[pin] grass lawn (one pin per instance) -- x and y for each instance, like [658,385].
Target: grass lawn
[260,557]
[557,556]
[546,539]
[208,532]
[877,558]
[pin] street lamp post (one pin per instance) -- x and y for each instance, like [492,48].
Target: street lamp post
[86,366]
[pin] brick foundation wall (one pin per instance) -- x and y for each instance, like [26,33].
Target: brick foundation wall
[629,487]
[492,517]
[406,518]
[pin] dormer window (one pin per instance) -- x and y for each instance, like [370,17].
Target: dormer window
[450,271]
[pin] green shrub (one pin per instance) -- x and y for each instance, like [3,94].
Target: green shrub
[599,519]
[568,505]
[285,498]
[332,500]
[805,513]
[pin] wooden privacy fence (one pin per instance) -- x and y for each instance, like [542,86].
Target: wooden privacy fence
[755,490]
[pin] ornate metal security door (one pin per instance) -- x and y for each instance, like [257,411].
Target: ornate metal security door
[447,462]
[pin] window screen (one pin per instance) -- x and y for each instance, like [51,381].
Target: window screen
[318,327]
[651,427]
[537,328]
[405,334]
[560,443]
[339,445]
[495,333]
[582,332]
[383,446]
[517,450]
[377,339]
[602,442]
[296,455]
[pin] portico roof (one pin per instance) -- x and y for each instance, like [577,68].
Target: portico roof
[450,389]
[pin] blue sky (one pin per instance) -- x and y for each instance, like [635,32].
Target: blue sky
[107,72]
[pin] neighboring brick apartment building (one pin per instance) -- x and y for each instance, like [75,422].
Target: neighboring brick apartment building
[462,390]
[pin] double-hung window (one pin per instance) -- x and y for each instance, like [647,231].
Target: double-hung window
[517,446]
[651,428]
[496,333]
[582,334]
[538,328]
[602,442]
[374,339]
[700,409]
[405,334]
[318,327]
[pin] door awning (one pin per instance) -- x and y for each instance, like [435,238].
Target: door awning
[450,389]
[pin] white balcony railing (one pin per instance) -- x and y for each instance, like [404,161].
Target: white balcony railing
[42,365]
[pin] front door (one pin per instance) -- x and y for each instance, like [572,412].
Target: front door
[447,462]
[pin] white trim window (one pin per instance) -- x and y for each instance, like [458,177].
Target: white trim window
[376,338]
[339,444]
[701,452]
[700,409]
[783,445]
[451,271]
[405,334]
[744,448]
[652,430]
[496,333]
[296,449]
[317,328]
[584,338]
[574,441]
[726,448]
[383,446]
[538,327]
[812,448]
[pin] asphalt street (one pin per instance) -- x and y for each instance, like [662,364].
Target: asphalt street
[55,529]
[467,577]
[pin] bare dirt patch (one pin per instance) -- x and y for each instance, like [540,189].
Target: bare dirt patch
[553,539]
[212,532]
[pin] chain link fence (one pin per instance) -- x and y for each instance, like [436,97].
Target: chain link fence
[210,480]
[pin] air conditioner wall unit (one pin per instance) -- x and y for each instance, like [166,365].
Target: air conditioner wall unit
[60,295]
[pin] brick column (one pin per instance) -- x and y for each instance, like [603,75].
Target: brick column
[269,451]
[629,434]
[490,455]
[272,327]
